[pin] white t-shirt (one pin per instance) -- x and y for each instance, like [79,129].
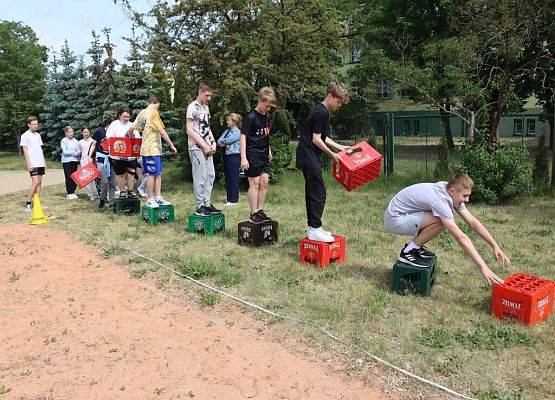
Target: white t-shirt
[200,114]
[33,142]
[120,129]
[431,197]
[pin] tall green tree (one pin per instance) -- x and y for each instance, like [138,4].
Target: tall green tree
[22,74]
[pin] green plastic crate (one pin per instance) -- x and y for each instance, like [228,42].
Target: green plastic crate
[408,279]
[156,215]
[127,206]
[209,224]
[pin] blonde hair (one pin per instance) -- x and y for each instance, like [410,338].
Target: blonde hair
[67,128]
[267,94]
[462,181]
[235,118]
[31,119]
[338,91]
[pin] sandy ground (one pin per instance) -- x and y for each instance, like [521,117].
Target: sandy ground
[20,180]
[76,326]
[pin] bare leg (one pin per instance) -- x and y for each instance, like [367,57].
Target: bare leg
[150,186]
[430,227]
[35,185]
[120,180]
[262,190]
[157,185]
[130,181]
[252,194]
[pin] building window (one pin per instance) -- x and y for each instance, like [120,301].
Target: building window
[531,127]
[517,127]
[407,127]
[416,126]
[355,53]
[385,91]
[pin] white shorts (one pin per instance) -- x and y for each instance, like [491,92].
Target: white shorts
[405,224]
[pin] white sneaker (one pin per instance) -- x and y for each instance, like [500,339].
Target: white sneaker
[319,235]
[228,204]
[71,196]
[91,198]
[152,203]
[116,193]
[141,191]
[27,208]
[160,201]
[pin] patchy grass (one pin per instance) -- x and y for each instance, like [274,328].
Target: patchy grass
[11,161]
[449,337]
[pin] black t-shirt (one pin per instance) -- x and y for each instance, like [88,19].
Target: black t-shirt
[256,127]
[308,154]
[99,135]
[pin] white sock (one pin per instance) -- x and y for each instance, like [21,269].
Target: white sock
[143,183]
[411,246]
[150,200]
[158,198]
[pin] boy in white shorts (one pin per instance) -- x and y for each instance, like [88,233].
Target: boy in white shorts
[425,209]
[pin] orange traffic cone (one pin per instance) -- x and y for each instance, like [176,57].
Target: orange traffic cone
[37,217]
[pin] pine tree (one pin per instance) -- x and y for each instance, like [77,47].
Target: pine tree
[51,106]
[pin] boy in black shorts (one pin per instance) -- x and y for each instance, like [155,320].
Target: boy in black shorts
[256,153]
[314,141]
[31,148]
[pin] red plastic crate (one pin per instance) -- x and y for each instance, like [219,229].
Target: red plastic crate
[124,147]
[322,254]
[85,175]
[357,166]
[523,297]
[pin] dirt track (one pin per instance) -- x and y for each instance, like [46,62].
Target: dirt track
[76,326]
[20,180]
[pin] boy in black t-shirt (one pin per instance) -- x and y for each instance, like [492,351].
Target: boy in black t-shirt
[256,153]
[313,141]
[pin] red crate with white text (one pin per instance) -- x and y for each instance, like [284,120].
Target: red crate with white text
[357,166]
[523,297]
[322,254]
[124,146]
[85,175]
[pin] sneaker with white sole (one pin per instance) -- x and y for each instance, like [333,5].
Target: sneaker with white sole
[319,235]
[27,208]
[230,204]
[413,258]
[152,203]
[160,201]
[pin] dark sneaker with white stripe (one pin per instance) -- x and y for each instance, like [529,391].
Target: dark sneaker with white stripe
[202,211]
[212,210]
[413,258]
[425,252]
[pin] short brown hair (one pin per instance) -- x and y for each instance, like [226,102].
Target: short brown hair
[461,180]
[122,110]
[154,99]
[337,90]
[235,118]
[267,94]
[31,119]
[204,87]
[67,128]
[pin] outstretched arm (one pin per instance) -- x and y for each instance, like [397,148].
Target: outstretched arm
[481,230]
[467,245]
[338,146]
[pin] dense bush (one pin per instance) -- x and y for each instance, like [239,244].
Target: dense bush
[541,164]
[499,176]
[279,142]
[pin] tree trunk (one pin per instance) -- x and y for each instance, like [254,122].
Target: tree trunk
[493,138]
[445,120]
[17,136]
[471,128]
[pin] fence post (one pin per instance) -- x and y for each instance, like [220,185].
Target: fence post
[390,144]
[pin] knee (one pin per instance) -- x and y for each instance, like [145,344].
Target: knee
[264,183]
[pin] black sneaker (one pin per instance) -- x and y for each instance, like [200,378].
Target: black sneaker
[202,211]
[255,218]
[413,258]
[123,194]
[263,216]
[132,195]
[101,204]
[425,252]
[212,209]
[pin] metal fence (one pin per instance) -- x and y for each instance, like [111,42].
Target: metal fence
[410,142]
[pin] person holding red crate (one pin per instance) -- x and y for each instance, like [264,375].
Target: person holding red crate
[424,210]
[124,168]
[313,142]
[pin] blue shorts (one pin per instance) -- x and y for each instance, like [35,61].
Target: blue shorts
[152,165]
[405,224]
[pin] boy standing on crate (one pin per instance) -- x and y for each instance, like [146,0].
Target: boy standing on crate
[31,148]
[425,209]
[149,123]
[202,147]
[256,153]
[313,142]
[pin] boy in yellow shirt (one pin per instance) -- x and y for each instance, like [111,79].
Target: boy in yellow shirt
[148,122]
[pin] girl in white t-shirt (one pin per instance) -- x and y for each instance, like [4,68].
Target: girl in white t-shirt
[88,146]
[124,168]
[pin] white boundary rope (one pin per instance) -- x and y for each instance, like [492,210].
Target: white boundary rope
[269,312]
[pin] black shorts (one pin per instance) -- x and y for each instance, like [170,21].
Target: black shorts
[123,166]
[257,170]
[37,171]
